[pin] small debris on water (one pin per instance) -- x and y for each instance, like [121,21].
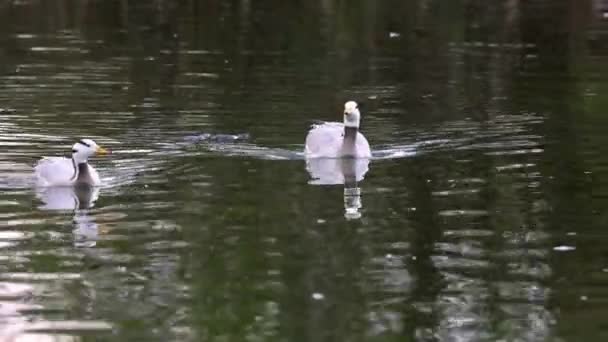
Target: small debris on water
[564,248]
[318,296]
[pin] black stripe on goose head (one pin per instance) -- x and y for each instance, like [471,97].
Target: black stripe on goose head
[83,143]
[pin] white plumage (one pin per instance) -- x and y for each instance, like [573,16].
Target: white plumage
[338,140]
[61,171]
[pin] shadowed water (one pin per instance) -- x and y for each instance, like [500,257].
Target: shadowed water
[480,216]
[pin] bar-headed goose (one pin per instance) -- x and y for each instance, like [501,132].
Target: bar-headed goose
[338,140]
[61,171]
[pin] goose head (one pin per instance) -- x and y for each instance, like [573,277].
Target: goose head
[85,148]
[352,116]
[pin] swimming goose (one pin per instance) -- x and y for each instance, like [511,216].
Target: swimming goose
[338,140]
[61,171]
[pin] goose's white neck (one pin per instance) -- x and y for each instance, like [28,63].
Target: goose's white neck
[352,120]
[79,158]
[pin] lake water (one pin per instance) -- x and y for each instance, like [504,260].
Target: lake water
[481,217]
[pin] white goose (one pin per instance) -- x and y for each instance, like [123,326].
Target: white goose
[61,171]
[338,140]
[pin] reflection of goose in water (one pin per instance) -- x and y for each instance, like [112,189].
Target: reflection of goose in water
[79,199]
[337,140]
[67,198]
[60,171]
[332,171]
[347,171]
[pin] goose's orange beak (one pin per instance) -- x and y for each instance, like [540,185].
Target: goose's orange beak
[101,151]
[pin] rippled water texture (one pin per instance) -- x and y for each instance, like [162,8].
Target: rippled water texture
[480,217]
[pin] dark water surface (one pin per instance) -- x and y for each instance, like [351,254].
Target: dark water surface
[482,216]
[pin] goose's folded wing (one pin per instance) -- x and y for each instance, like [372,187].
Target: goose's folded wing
[363,148]
[324,140]
[55,171]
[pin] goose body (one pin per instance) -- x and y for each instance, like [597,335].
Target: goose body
[61,171]
[338,140]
